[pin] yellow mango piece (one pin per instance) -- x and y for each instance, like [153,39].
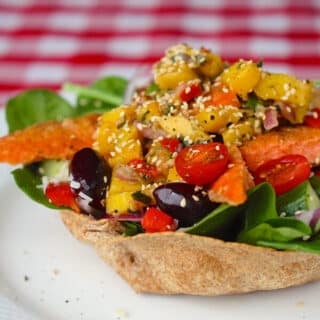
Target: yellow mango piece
[181,126]
[119,199]
[120,203]
[236,134]
[122,155]
[110,125]
[212,67]
[148,110]
[287,89]
[173,175]
[241,77]
[170,77]
[215,119]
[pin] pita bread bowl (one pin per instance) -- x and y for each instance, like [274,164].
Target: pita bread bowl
[206,183]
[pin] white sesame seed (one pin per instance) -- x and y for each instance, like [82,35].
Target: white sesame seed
[112,154]
[306,237]
[195,198]
[84,196]
[118,149]
[75,184]
[183,202]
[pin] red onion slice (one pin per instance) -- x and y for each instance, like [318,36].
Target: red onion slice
[311,218]
[271,120]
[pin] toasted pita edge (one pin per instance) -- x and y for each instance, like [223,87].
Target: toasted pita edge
[180,263]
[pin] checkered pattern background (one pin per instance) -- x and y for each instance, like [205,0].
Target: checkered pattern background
[44,43]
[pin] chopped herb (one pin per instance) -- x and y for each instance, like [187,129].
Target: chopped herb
[153,87]
[141,197]
[131,228]
[143,118]
[260,64]
[252,101]
[121,124]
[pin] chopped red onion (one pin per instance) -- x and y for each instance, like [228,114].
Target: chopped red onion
[126,173]
[149,132]
[271,119]
[311,218]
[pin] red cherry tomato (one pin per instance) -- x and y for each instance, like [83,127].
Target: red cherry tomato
[147,170]
[202,163]
[172,144]
[155,220]
[313,120]
[284,173]
[187,92]
[60,194]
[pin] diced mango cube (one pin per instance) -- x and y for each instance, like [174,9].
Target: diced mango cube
[148,110]
[169,77]
[213,65]
[287,89]
[215,119]
[241,77]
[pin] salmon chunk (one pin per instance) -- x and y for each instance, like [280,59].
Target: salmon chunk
[48,140]
[290,140]
[232,186]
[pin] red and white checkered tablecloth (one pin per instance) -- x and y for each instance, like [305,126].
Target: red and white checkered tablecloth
[45,43]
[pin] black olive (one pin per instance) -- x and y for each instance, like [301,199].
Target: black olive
[90,176]
[184,202]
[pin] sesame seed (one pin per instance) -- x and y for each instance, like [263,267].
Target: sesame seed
[75,184]
[183,202]
[118,149]
[112,154]
[306,237]
[187,90]
[283,214]
[84,196]
[195,198]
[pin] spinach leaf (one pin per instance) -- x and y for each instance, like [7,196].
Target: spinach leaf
[29,181]
[218,223]
[153,87]
[131,228]
[34,106]
[103,95]
[261,205]
[312,246]
[279,230]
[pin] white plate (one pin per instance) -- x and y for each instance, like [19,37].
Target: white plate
[50,275]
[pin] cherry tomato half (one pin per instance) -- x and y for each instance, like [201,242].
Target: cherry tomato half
[155,220]
[202,163]
[147,170]
[171,144]
[60,194]
[284,173]
[313,120]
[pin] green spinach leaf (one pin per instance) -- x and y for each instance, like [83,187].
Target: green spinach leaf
[153,87]
[103,95]
[312,246]
[279,230]
[261,205]
[34,106]
[29,181]
[218,223]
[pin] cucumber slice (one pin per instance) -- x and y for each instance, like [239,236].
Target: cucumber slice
[301,198]
[315,182]
[55,169]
